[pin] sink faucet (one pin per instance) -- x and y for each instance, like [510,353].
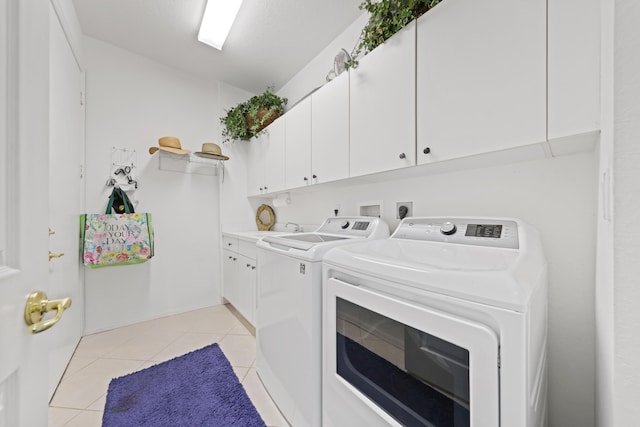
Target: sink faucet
[297,229]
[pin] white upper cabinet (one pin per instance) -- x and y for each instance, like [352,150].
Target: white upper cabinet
[298,145]
[266,160]
[481,77]
[256,168]
[274,155]
[330,131]
[382,98]
[574,67]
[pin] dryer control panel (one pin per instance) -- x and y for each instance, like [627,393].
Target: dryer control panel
[497,233]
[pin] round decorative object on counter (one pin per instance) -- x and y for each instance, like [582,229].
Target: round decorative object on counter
[265,217]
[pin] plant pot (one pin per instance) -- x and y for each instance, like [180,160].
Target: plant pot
[262,112]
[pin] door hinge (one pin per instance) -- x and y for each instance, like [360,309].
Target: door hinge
[81,97]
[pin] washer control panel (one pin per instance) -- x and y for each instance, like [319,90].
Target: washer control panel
[497,233]
[353,226]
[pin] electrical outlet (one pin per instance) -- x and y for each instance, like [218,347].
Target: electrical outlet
[404,209]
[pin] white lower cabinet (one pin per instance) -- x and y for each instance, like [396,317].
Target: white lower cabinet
[239,277]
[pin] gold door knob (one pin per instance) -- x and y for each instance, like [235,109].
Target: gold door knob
[52,255]
[37,305]
[51,232]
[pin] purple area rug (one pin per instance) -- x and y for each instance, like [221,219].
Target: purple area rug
[197,389]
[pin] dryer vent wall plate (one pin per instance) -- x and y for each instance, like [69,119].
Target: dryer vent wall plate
[373,209]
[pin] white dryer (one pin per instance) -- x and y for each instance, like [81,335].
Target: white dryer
[289,312]
[442,324]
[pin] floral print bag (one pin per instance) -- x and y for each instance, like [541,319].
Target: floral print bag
[116,239]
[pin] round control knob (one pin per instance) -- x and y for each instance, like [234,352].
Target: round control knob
[344,225]
[448,228]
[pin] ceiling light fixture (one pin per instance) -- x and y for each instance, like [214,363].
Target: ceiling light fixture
[217,20]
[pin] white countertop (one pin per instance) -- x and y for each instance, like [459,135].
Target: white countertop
[254,235]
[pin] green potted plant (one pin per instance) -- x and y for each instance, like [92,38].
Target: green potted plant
[386,17]
[248,119]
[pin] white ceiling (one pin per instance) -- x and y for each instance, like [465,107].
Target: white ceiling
[271,40]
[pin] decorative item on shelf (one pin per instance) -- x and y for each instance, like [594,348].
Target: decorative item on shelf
[170,144]
[339,64]
[265,217]
[386,17]
[211,151]
[248,119]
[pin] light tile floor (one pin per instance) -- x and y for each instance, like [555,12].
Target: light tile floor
[81,395]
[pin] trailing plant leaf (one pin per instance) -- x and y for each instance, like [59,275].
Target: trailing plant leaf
[247,119]
[386,18]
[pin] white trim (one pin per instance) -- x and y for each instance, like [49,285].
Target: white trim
[67,18]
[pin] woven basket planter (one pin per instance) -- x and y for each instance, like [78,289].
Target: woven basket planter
[261,113]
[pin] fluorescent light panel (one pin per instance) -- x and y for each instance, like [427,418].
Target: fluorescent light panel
[217,21]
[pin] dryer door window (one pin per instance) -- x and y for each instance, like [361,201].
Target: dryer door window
[413,363]
[416,377]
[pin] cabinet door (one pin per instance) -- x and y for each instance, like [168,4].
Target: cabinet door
[481,77]
[247,286]
[273,155]
[382,97]
[256,170]
[298,145]
[330,131]
[574,67]
[230,290]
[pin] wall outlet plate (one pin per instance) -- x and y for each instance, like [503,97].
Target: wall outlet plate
[404,209]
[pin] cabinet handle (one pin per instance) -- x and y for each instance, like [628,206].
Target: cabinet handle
[260,188]
[305,178]
[265,188]
[228,244]
[426,150]
[253,267]
[402,156]
[230,257]
[314,176]
[234,259]
[248,265]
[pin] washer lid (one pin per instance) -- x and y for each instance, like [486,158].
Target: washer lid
[499,277]
[303,241]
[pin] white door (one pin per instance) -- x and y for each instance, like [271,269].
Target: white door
[66,186]
[24,240]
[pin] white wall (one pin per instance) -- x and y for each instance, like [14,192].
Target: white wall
[237,212]
[604,295]
[626,228]
[131,102]
[315,72]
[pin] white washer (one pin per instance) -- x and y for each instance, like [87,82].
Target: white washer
[289,312]
[442,324]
